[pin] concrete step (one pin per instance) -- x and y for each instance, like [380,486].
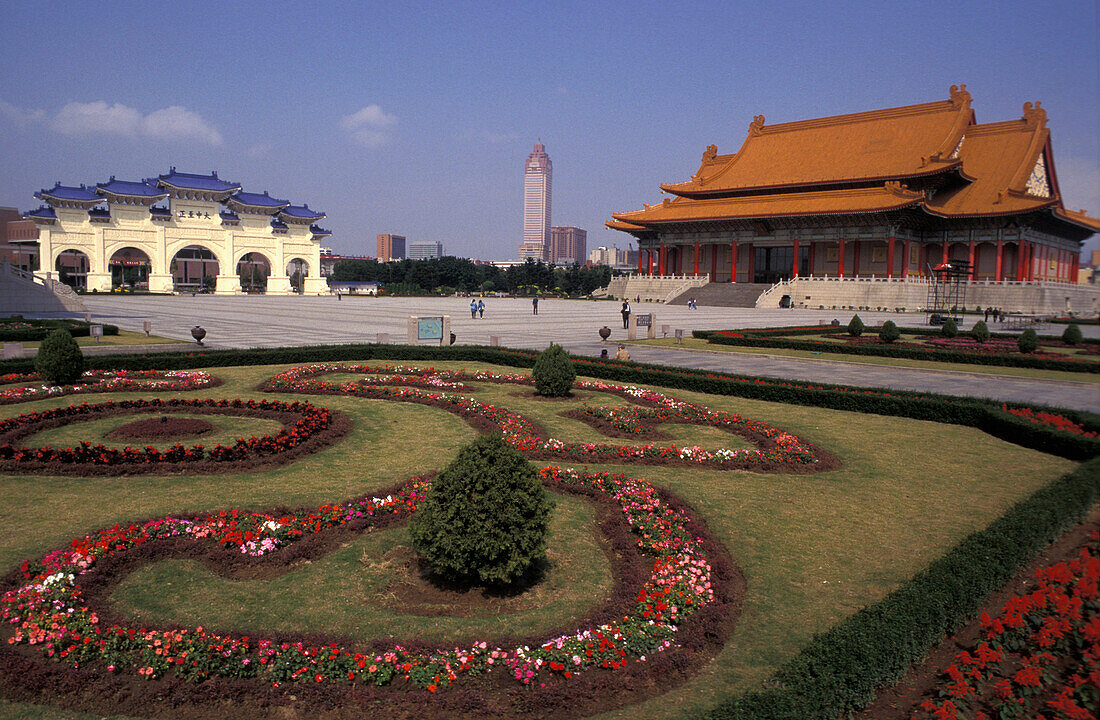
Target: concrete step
[723,294]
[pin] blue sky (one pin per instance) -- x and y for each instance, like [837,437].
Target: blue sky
[415,118]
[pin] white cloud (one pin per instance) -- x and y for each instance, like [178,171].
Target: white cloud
[368,126]
[170,123]
[179,123]
[18,115]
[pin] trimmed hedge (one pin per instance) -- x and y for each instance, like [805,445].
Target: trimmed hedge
[755,339]
[76,328]
[841,669]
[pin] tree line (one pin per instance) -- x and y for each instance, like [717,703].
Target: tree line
[448,275]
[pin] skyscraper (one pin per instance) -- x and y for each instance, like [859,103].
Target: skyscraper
[537,175]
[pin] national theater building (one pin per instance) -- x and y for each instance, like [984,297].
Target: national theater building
[178,231]
[887,194]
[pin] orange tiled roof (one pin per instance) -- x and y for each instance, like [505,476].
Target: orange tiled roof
[879,145]
[1078,217]
[1000,158]
[891,196]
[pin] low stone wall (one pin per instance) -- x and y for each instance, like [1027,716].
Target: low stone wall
[1037,298]
[653,288]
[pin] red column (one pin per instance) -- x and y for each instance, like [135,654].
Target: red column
[733,262]
[696,259]
[944,250]
[750,275]
[855,258]
[794,269]
[1030,270]
[649,261]
[905,259]
[714,263]
[641,260]
[890,257]
[998,273]
[973,270]
[1074,267]
[1021,259]
[840,258]
[661,255]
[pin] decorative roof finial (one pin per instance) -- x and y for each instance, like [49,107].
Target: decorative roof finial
[710,153]
[1035,114]
[756,125]
[959,96]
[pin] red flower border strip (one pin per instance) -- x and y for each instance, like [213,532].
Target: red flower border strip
[783,451]
[99,381]
[313,427]
[1039,659]
[1051,420]
[690,591]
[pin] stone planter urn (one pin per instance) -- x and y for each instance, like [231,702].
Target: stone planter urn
[198,333]
[605,332]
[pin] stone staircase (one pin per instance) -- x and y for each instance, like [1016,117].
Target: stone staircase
[723,294]
[651,288]
[24,293]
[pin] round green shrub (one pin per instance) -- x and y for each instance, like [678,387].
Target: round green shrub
[1028,342]
[553,373]
[484,520]
[949,329]
[1072,335]
[59,360]
[855,326]
[980,332]
[889,332]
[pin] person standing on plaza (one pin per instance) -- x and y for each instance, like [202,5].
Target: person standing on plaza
[535,305]
[473,309]
[626,314]
[481,308]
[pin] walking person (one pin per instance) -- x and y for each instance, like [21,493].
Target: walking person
[481,308]
[473,309]
[535,305]
[626,314]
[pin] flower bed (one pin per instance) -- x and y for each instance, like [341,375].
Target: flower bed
[30,387]
[778,450]
[308,428]
[685,596]
[1053,420]
[1040,658]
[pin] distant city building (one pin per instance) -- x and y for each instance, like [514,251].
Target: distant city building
[391,247]
[568,245]
[18,240]
[329,261]
[613,257]
[538,174]
[422,250]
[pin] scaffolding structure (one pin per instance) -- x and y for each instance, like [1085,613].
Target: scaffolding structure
[947,291]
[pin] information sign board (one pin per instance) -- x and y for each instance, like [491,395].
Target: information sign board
[429,328]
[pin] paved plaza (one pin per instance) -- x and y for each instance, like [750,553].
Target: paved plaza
[271,321]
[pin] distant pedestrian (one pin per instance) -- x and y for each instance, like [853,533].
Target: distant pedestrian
[626,314]
[481,308]
[622,354]
[473,309]
[987,314]
[535,305]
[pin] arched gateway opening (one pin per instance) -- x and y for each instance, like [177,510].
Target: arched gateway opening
[194,269]
[297,270]
[129,269]
[253,269]
[72,269]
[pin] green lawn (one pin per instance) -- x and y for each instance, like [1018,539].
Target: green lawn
[814,548]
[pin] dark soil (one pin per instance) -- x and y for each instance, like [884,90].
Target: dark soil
[900,701]
[162,428]
[27,677]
